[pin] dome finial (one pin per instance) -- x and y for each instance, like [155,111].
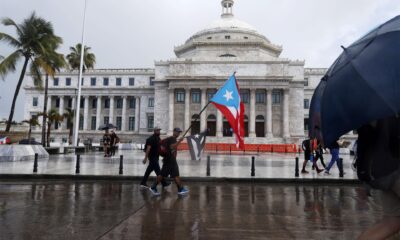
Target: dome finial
[227,7]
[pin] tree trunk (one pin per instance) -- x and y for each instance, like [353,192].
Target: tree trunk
[70,133]
[21,78]
[48,133]
[46,86]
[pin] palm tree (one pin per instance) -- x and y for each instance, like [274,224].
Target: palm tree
[33,122]
[49,64]
[74,57]
[35,37]
[53,117]
[69,116]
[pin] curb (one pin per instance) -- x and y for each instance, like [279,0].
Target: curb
[185,179]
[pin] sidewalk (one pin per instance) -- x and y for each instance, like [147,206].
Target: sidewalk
[268,166]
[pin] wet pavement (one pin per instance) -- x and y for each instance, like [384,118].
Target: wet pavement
[120,210]
[267,165]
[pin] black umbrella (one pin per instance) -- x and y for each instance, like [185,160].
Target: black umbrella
[29,142]
[106,126]
[362,85]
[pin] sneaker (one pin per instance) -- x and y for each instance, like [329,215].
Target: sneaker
[183,191]
[166,184]
[143,186]
[304,171]
[154,191]
[327,173]
[319,170]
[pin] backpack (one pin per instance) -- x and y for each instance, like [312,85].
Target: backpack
[163,148]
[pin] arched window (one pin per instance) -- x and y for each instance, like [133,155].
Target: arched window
[211,125]
[260,126]
[195,124]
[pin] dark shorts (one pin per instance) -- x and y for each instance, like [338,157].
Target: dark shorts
[170,167]
[307,155]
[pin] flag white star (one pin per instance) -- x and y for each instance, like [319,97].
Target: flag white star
[228,95]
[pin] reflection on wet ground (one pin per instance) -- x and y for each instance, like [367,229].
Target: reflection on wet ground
[120,210]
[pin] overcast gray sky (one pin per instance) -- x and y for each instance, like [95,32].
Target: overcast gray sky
[134,33]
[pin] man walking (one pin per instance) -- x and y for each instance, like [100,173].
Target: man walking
[152,154]
[335,157]
[170,166]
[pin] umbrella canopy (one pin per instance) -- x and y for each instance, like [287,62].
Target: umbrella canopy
[106,126]
[30,142]
[362,85]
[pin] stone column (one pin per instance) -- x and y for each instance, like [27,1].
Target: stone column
[269,114]
[137,114]
[61,112]
[73,103]
[98,112]
[111,114]
[49,103]
[219,124]
[187,108]
[86,116]
[123,124]
[252,119]
[171,103]
[203,116]
[286,133]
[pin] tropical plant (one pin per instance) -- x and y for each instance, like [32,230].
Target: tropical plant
[35,37]
[50,63]
[74,57]
[52,117]
[69,115]
[33,122]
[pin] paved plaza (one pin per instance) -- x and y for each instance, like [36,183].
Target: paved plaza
[237,166]
[63,209]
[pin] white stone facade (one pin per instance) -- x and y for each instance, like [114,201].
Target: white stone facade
[275,90]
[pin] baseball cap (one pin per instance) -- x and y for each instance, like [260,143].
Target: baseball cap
[177,130]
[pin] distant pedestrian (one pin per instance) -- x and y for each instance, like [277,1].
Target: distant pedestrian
[170,165]
[106,143]
[309,146]
[319,154]
[113,143]
[152,154]
[334,149]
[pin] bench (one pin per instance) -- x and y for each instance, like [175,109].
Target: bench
[79,149]
[52,150]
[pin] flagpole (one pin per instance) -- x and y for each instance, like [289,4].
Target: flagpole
[78,100]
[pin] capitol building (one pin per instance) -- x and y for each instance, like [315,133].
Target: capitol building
[276,91]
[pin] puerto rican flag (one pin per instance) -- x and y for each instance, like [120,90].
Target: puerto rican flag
[227,100]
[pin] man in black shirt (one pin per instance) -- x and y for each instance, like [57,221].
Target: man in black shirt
[152,154]
[170,166]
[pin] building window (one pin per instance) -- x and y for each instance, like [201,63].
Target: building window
[105,81]
[196,96]
[118,82]
[80,122]
[93,82]
[107,103]
[35,82]
[82,81]
[132,103]
[150,122]
[82,102]
[260,96]
[151,81]
[210,94]
[55,82]
[276,97]
[131,81]
[119,103]
[306,82]
[119,123]
[94,103]
[151,102]
[57,102]
[131,125]
[306,103]
[306,124]
[68,82]
[106,120]
[227,37]
[245,96]
[70,103]
[180,96]
[35,102]
[93,124]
